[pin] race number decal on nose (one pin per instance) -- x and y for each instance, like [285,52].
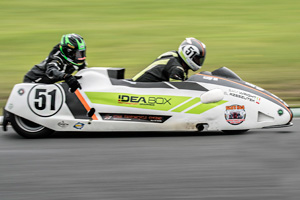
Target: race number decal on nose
[45,100]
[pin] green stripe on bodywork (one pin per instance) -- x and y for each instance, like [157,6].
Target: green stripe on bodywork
[204,107]
[187,105]
[153,102]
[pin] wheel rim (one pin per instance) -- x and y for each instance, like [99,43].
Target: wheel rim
[28,125]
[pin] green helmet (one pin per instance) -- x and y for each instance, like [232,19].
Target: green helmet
[72,47]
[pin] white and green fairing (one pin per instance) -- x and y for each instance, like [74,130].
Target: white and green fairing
[123,105]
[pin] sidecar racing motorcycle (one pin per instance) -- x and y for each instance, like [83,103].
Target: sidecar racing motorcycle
[209,101]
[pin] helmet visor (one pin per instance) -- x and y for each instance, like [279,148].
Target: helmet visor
[80,55]
[198,59]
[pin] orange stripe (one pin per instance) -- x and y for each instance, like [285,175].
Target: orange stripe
[201,46]
[252,89]
[84,103]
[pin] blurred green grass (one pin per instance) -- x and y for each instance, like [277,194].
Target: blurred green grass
[259,40]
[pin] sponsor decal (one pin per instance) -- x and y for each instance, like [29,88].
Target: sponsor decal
[210,78]
[140,100]
[21,91]
[62,124]
[134,117]
[266,93]
[235,114]
[153,102]
[258,100]
[79,125]
[244,95]
[71,46]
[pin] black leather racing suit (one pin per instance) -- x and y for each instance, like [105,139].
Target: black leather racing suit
[52,69]
[167,67]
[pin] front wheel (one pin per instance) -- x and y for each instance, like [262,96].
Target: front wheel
[28,129]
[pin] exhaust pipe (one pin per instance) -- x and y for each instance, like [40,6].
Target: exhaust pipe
[201,127]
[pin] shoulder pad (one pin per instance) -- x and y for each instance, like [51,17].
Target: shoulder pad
[168,54]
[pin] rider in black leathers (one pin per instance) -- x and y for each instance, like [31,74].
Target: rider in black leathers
[65,58]
[174,65]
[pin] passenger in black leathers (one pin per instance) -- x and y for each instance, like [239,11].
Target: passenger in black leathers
[66,57]
[174,65]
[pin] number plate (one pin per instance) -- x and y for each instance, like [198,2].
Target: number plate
[45,100]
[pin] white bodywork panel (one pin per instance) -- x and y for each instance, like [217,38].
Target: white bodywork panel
[221,108]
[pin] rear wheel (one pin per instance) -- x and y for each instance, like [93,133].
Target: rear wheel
[28,129]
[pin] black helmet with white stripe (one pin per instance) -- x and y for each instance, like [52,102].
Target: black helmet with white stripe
[193,52]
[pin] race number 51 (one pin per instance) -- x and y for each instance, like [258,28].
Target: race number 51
[45,100]
[190,51]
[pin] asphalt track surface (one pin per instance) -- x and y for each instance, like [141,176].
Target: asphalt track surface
[260,165]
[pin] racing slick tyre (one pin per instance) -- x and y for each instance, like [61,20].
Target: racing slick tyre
[28,129]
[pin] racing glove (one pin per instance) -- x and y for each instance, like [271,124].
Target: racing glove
[72,82]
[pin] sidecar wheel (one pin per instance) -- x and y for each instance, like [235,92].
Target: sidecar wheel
[28,129]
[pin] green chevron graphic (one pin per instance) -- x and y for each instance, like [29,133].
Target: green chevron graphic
[153,102]
[204,107]
[187,105]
